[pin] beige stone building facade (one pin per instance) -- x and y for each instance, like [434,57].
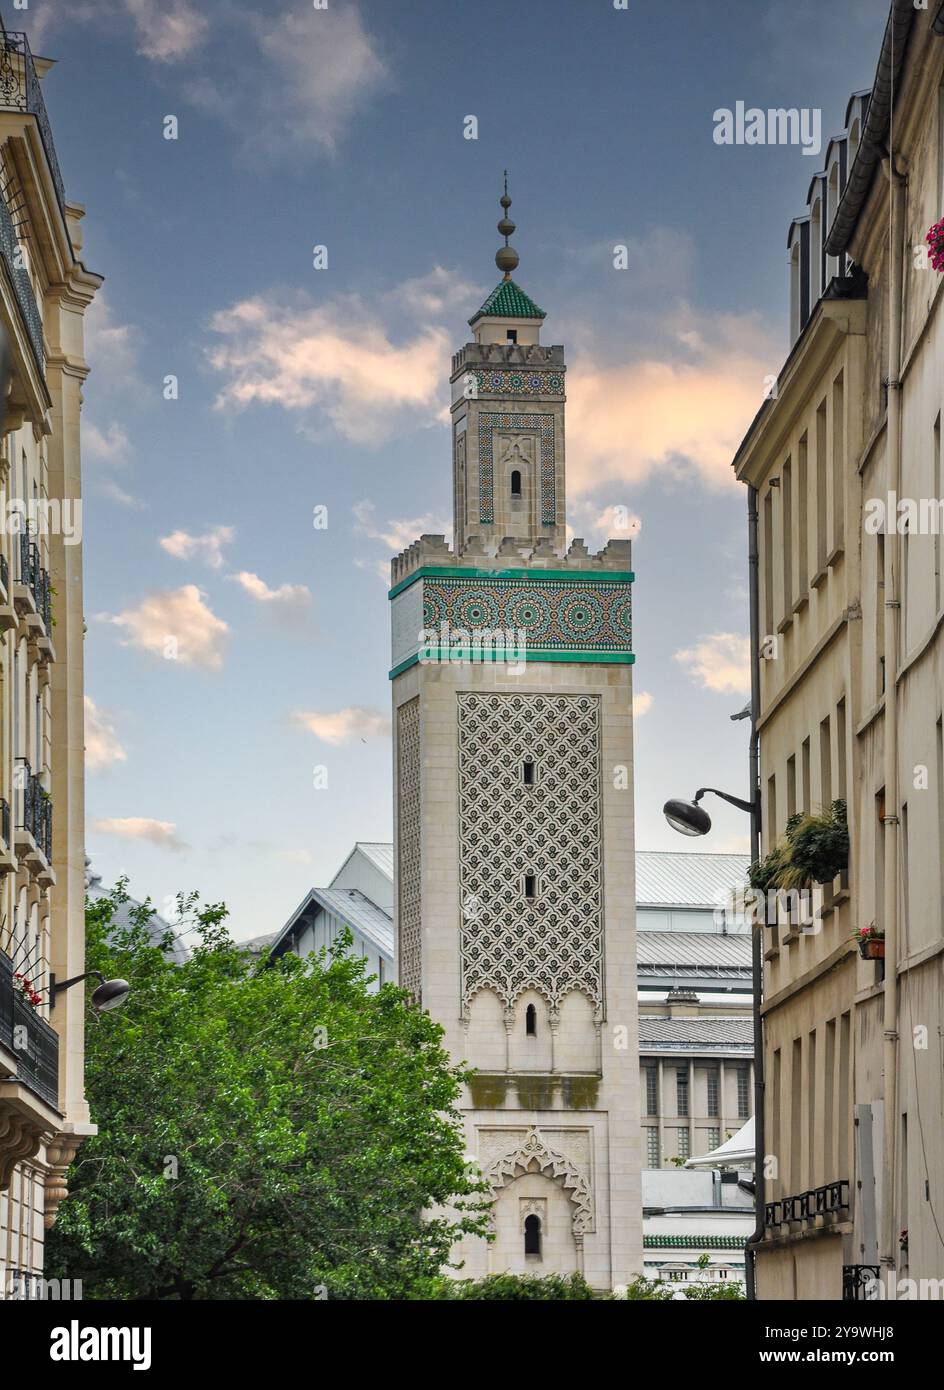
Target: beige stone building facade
[851,698]
[44,292]
[512,705]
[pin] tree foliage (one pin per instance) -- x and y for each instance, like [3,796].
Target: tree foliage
[263,1132]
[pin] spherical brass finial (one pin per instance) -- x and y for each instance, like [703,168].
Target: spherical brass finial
[506,258]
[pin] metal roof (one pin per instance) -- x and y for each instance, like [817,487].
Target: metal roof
[674,878]
[673,949]
[380,855]
[351,907]
[696,1034]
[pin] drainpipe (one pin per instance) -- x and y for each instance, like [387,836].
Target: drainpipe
[897,186]
[757,934]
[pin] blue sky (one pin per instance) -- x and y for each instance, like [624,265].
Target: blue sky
[301,388]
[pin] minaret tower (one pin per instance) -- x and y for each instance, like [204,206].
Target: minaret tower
[513,749]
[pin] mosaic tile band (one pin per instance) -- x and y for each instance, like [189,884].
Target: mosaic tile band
[523,383]
[552,615]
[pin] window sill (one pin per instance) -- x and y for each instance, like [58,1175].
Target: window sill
[819,578]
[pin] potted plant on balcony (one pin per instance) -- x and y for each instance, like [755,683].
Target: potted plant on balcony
[935,240]
[817,847]
[24,986]
[871,941]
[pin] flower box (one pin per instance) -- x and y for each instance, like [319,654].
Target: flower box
[872,948]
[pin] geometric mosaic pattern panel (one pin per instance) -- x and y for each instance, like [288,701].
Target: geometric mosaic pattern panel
[519,383]
[408,847]
[544,424]
[553,615]
[551,831]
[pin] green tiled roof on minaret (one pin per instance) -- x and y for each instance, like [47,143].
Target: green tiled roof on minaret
[508,301]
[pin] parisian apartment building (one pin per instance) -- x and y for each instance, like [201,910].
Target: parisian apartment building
[845,460]
[44,292]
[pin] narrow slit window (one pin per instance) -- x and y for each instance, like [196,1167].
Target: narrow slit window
[528,772]
[530,886]
[516,482]
[531,1021]
[532,1235]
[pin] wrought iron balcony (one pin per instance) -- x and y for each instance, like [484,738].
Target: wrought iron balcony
[5,821]
[829,1200]
[21,90]
[4,574]
[33,808]
[22,287]
[31,1040]
[34,577]
[856,1279]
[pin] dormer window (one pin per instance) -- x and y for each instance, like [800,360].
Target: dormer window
[512,335]
[516,482]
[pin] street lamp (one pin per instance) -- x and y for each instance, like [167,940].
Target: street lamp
[688,818]
[111,994]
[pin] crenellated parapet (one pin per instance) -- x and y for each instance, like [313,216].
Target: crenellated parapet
[512,552]
[507,355]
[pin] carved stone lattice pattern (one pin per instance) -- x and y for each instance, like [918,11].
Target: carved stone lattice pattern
[551,831]
[408,846]
[534,1156]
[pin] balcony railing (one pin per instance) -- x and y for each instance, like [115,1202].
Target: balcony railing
[33,807]
[34,576]
[32,1041]
[19,278]
[5,822]
[856,1280]
[21,90]
[828,1200]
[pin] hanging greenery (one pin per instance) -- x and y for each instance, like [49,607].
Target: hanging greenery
[814,849]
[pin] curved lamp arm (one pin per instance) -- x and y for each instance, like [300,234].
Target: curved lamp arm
[749,806]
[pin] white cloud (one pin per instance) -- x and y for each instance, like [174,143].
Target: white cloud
[167,32]
[336,358]
[642,703]
[111,350]
[109,446]
[397,535]
[118,494]
[286,595]
[682,411]
[161,833]
[720,662]
[208,547]
[289,86]
[295,856]
[177,624]
[103,748]
[344,725]
[439,292]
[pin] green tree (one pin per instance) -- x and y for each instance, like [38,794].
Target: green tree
[516,1288]
[263,1132]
